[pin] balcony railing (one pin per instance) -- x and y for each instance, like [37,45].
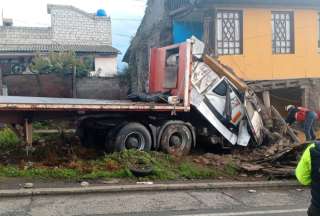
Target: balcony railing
[172,5]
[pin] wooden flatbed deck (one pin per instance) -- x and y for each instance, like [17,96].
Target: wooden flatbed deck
[17,103]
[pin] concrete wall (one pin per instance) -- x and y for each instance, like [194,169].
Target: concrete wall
[50,85]
[105,66]
[101,88]
[38,85]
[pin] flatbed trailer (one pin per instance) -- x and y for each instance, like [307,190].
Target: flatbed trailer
[43,104]
[197,100]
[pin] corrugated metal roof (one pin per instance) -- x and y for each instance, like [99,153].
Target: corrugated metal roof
[9,48]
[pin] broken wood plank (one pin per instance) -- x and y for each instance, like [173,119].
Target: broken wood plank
[222,71]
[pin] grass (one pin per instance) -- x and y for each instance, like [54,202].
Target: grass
[116,166]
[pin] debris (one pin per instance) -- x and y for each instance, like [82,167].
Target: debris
[251,167]
[84,184]
[28,185]
[144,183]
[113,181]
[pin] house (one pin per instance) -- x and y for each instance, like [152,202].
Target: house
[274,45]
[71,29]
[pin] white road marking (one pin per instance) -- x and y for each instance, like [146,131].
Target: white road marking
[252,213]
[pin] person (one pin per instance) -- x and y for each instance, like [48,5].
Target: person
[308,174]
[305,115]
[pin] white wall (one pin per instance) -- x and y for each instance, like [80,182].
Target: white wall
[105,66]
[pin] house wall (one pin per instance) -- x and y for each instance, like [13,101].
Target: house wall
[69,25]
[25,35]
[106,66]
[259,63]
[73,26]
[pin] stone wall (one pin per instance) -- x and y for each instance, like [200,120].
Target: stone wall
[50,85]
[154,31]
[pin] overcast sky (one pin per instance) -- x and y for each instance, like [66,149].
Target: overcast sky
[125,14]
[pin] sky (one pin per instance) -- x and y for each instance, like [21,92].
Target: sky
[125,15]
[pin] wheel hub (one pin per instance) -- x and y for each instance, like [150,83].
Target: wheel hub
[134,141]
[175,140]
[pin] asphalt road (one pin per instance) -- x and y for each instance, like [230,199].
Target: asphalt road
[267,202]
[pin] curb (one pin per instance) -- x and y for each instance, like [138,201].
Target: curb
[145,188]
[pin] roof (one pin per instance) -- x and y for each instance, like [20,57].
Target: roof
[301,3]
[9,48]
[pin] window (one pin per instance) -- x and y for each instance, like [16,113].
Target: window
[229,32]
[221,89]
[282,32]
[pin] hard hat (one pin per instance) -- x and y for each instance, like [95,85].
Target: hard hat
[287,108]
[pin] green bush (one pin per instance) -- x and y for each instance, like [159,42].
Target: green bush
[8,139]
[62,63]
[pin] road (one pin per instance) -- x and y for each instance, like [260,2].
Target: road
[264,202]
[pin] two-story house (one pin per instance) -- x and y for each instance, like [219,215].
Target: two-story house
[274,45]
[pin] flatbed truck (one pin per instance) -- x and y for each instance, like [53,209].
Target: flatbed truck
[194,98]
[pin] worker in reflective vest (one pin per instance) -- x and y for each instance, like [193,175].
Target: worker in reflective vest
[305,115]
[308,174]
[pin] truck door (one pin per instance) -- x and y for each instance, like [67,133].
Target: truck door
[225,104]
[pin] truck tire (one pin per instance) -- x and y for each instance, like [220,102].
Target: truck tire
[133,136]
[176,139]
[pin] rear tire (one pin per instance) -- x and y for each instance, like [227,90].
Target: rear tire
[133,136]
[176,139]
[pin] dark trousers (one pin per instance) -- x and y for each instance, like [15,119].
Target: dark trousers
[312,211]
[309,125]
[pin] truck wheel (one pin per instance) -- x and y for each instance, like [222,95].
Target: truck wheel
[176,139]
[133,136]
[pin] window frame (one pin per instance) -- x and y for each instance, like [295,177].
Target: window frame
[292,33]
[240,41]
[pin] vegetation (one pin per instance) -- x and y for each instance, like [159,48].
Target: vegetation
[8,140]
[115,166]
[62,63]
[60,156]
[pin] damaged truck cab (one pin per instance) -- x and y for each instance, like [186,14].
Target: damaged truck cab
[230,114]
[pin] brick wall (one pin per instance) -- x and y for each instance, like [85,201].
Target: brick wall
[69,25]
[25,35]
[73,26]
